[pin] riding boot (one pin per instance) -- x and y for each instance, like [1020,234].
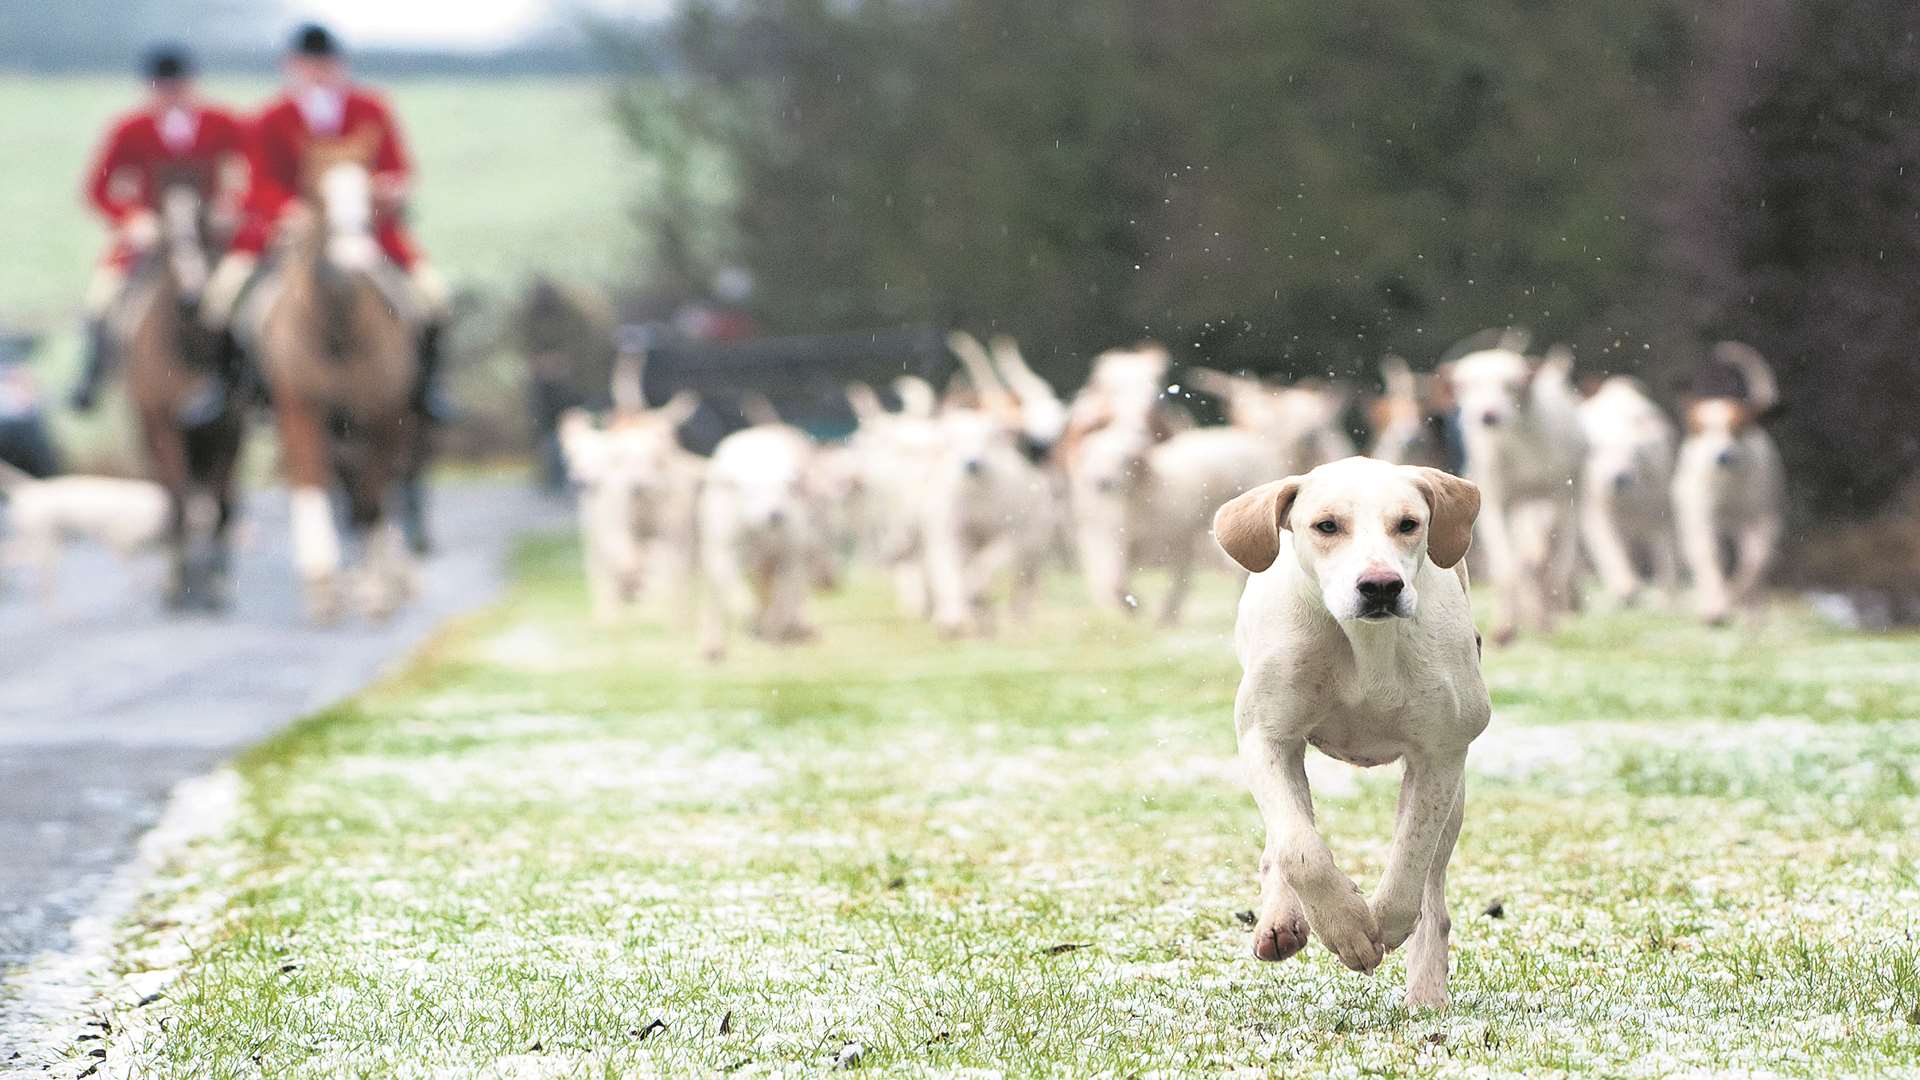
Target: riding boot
[428,398]
[248,381]
[99,362]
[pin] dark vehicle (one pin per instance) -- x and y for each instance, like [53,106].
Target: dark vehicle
[23,431]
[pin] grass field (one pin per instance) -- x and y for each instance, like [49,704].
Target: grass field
[551,850]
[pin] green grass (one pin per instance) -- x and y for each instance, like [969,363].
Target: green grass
[1029,854]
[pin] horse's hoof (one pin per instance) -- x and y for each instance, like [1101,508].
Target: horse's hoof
[382,595]
[323,601]
[216,598]
[379,605]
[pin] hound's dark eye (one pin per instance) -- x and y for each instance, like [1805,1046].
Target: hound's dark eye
[1408,525]
[1327,528]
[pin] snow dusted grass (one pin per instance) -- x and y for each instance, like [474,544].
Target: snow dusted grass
[554,850]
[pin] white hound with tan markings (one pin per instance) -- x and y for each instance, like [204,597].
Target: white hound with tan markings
[1137,503]
[1355,637]
[761,535]
[1626,515]
[1729,487]
[987,511]
[636,490]
[1520,427]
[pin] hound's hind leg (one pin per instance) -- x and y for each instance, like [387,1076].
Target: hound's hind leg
[1427,952]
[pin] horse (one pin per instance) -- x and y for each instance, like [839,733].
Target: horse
[337,343]
[169,356]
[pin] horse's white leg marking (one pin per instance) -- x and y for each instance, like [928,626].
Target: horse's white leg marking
[316,547]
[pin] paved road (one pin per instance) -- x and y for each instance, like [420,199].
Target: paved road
[106,703]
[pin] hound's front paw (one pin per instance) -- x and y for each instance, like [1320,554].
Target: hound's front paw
[1343,923]
[1396,920]
[1281,931]
[1427,995]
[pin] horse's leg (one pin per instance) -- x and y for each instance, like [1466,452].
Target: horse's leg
[316,542]
[167,458]
[218,462]
[413,490]
[389,562]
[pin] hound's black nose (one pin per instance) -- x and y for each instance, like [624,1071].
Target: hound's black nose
[1491,419]
[1622,481]
[1381,588]
[1723,459]
[973,466]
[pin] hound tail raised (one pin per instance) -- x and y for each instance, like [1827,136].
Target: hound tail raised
[979,367]
[916,396]
[1397,377]
[1763,391]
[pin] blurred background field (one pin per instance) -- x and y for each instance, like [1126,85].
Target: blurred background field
[517,176]
[514,177]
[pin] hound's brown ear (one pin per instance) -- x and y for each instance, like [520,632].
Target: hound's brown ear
[1452,504]
[1248,527]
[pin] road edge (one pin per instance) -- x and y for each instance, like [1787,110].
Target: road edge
[112,969]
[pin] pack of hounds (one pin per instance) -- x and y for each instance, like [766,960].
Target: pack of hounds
[964,496]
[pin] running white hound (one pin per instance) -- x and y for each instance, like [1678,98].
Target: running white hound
[1355,637]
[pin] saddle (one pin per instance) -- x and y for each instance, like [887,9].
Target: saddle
[258,295]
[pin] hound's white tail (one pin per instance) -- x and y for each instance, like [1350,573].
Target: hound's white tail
[1014,368]
[626,385]
[1559,360]
[864,402]
[1043,416]
[1397,377]
[1763,392]
[973,357]
[1218,383]
[916,396]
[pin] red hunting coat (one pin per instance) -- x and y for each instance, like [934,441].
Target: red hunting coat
[135,162]
[285,147]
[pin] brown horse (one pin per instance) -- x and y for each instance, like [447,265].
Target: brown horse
[337,344]
[169,355]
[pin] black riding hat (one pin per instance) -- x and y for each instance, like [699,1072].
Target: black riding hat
[315,40]
[164,62]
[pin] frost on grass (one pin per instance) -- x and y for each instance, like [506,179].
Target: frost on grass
[564,851]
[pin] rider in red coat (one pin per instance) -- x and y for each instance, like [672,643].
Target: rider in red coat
[320,106]
[174,137]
